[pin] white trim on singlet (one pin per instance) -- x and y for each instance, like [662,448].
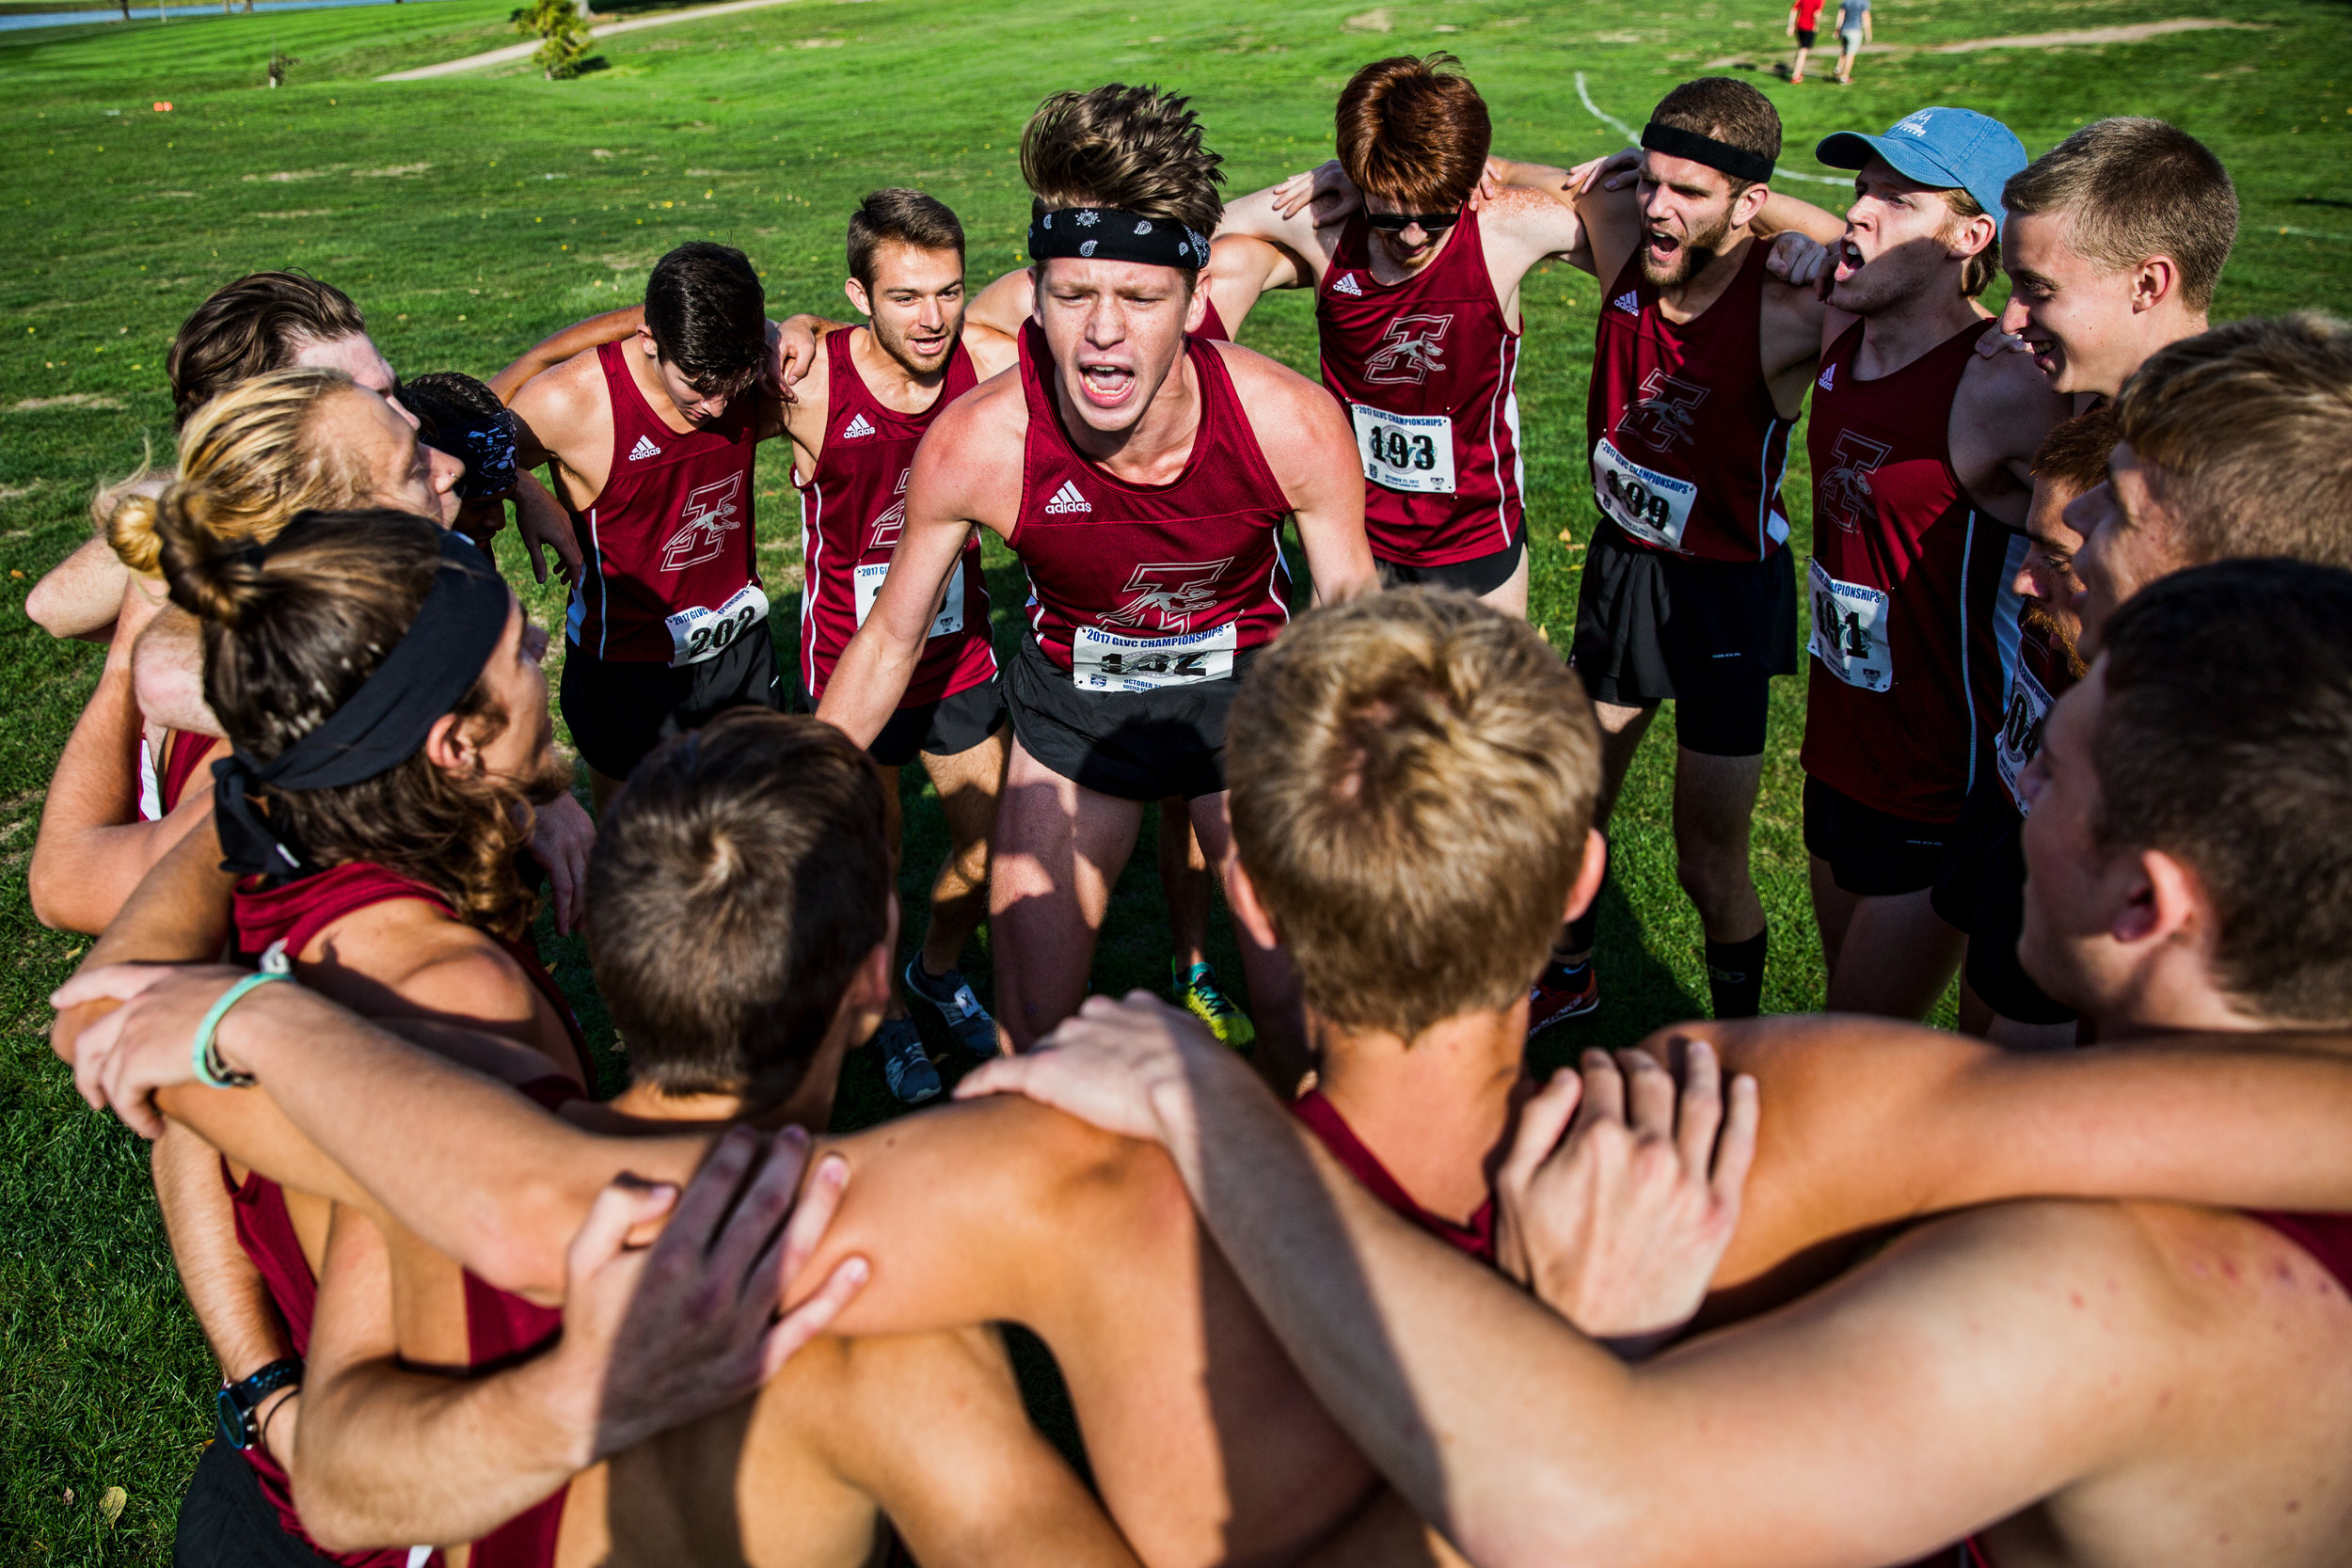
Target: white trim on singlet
[812,551]
[2007,615]
[604,588]
[1967,686]
[1508,401]
[1764,540]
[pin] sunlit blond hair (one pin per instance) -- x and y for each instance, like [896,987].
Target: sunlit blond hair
[248,462]
[1413,776]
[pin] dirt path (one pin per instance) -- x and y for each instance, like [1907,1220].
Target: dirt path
[514,52]
[2138,32]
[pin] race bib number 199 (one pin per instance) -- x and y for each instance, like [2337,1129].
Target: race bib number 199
[697,634]
[1105,662]
[1412,453]
[1645,503]
[951,617]
[1849,631]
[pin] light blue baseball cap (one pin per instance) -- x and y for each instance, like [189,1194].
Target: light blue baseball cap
[1939,147]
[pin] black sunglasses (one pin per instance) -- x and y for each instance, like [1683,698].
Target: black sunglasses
[1396,223]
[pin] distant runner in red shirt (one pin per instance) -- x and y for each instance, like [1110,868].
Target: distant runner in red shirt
[1802,18]
[1125,466]
[652,440]
[855,421]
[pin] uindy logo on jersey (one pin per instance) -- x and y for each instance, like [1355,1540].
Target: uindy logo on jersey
[1410,350]
[643,449]
[1844,494]
[1828,375]
[855,428]
[1346,285]
[1666,415]
[1630,302]
[893,520]
[1176,590]
[1068,499]
[704,523]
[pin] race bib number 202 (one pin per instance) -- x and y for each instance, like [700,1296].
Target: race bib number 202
[1412,453]
[1105,661]
[698,633]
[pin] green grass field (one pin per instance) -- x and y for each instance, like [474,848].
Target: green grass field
[470,215]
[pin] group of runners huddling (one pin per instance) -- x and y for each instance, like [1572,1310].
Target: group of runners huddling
[1812,1289]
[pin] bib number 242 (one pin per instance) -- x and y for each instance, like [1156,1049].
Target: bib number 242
[698,633]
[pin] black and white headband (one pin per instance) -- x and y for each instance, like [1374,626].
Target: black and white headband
[1108,235]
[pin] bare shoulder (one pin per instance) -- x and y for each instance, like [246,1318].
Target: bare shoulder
[560,398]
[1278,398]
[970,462]
[2008,384]
[407,956]
[993,352]
[1530,215]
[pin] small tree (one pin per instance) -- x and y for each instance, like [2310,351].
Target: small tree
[563,37]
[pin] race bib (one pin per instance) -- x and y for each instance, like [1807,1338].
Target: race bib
[869,581]
[1645,503]
[1849,631]
[698,634]
[1105,661]
[2021,731]
[1413,452]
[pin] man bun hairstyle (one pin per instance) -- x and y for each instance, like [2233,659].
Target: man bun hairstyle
[290,636]
[1728,111]
[734,890]
[249,460]
[256,324]
[709,316]
[2248,428]
[2137,188]
[1414,130]
[1134,148]
[2225,742]
[1413,776]
[900,216]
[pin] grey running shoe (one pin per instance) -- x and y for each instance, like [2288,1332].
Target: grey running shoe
[950,996]
[906,1066]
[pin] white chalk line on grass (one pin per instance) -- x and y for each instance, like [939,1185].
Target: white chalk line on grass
[1631,135]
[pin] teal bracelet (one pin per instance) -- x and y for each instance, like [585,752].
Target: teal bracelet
[210,1070]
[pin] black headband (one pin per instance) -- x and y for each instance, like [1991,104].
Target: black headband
[1107,235]
[379,726]
[1738,161]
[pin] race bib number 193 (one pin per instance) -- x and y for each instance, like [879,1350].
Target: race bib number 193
[1645,503]
[1849,631]
[1105,661]
[950,616]
[697,634]
[1412,453]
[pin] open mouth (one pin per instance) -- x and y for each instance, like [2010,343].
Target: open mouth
[927,347]
[1106,386]
[1850,259]
[1663,246]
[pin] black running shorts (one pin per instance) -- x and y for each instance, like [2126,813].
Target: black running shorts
[1134,745]
[1706,635]
[1871,853]
[1805,37]
[1981,890]
[945,728]
[1479,575]
[225,1521]
[620,711]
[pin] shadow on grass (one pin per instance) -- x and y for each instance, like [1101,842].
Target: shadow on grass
[1638,993]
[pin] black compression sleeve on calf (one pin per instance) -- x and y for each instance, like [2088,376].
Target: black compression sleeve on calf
[1735,976]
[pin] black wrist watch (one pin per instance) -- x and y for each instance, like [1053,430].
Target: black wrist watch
[233,1406]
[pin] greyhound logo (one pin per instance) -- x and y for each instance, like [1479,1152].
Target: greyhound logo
[704,523]
[893,521]
[1666,415]
[1176,590]
[1844,494]
[1410,350]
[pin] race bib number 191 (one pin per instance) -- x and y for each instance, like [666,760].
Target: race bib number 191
[1645,503]
[951,617]
[1105,662]
[697,634]
[1849,631]
[1412,453]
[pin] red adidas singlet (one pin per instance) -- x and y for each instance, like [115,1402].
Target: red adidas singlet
[1213,325]
[160,789]
[1904,571]
[669,576]
[1427,370]
[852,509]
[1687,446]
[1330,1129]
[1151,585]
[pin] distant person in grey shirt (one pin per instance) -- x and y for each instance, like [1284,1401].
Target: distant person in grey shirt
[1854,31]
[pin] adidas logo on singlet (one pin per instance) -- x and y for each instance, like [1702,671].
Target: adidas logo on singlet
[1068,499]
[857,426]
[1829,373]
[643,449]
[1630,302]
[1346,285]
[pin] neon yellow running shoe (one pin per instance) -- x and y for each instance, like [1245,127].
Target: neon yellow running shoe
[1202,996]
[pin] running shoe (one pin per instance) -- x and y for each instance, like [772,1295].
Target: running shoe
[1563,992]
[950,996]
[906,1066]
[1204,999]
